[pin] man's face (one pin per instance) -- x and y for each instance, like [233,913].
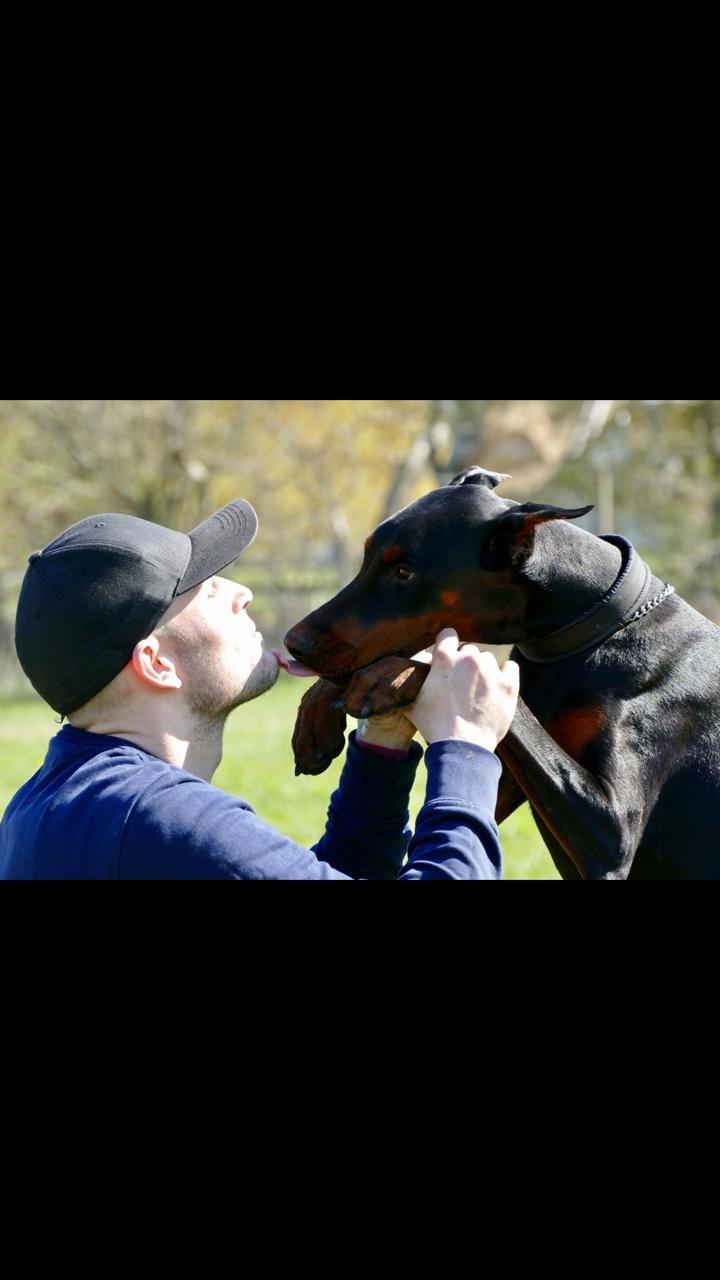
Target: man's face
[218,652]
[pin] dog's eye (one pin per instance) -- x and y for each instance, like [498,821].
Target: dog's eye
[403,574]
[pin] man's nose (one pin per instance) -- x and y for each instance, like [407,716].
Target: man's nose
[243,599]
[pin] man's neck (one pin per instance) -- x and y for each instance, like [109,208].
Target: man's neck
[197,750]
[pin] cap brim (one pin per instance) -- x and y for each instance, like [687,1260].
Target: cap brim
[217,542]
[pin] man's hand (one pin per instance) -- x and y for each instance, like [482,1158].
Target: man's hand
[467,696]
[392,731]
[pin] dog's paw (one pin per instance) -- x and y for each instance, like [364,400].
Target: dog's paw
[319,736]
[383,687]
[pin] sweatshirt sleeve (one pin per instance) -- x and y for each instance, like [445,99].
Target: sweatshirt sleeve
[367,833]
[456,837]
[181,828]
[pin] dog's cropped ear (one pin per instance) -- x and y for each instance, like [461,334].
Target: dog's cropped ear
[476,475]
[509,540]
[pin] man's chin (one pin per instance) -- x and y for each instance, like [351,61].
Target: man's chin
[263,678]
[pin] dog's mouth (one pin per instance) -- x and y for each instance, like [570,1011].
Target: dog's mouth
[337,658]
[341,679]
[293,667]
[300,671]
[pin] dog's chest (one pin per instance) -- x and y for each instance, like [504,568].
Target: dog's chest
[573,717]
[577,729]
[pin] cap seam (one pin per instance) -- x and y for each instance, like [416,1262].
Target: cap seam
[113,546]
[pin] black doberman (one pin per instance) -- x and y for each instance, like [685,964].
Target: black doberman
[616,742]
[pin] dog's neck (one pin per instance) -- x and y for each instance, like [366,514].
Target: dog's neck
[569,571]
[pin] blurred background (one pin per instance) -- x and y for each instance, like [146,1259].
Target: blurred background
[323,473]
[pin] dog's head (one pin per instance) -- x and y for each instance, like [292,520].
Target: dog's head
[452,559]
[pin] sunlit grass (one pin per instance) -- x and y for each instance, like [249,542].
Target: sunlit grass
[257,765]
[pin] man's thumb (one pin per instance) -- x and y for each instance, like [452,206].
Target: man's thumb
[448,641]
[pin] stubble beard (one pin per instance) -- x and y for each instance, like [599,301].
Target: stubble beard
[213,694]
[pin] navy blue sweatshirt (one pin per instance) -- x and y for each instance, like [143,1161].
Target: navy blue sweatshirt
[103,809]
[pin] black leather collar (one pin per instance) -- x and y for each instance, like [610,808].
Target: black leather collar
[626,601]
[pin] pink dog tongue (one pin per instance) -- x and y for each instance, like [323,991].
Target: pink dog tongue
[292,667]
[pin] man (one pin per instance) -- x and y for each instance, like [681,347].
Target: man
[127,630]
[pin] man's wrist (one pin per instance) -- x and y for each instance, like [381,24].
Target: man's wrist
[466,732]
[478,738]
[393,742]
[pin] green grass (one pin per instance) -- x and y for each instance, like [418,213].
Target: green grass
[257,765]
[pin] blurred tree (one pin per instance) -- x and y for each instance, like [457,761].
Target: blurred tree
[61,460]
[139,454]
[654,476]
[317,470]
[527,439]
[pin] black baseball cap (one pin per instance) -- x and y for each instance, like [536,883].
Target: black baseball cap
[103,585]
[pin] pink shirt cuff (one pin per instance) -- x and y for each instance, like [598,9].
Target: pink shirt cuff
[388,752]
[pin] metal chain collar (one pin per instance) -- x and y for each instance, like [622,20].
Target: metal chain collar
[667,590]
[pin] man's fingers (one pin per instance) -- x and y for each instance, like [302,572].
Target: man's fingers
[448,641]
[448,647]
[512,671]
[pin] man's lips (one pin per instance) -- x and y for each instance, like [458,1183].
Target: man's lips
[292,667]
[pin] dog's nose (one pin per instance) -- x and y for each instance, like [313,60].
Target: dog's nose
[301,644]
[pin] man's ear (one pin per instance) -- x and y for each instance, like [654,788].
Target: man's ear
[510,540]
[153,669]
[476,475]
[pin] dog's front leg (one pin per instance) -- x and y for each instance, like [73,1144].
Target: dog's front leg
[385,686]
[510,796]
[597,825]
[319,735]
